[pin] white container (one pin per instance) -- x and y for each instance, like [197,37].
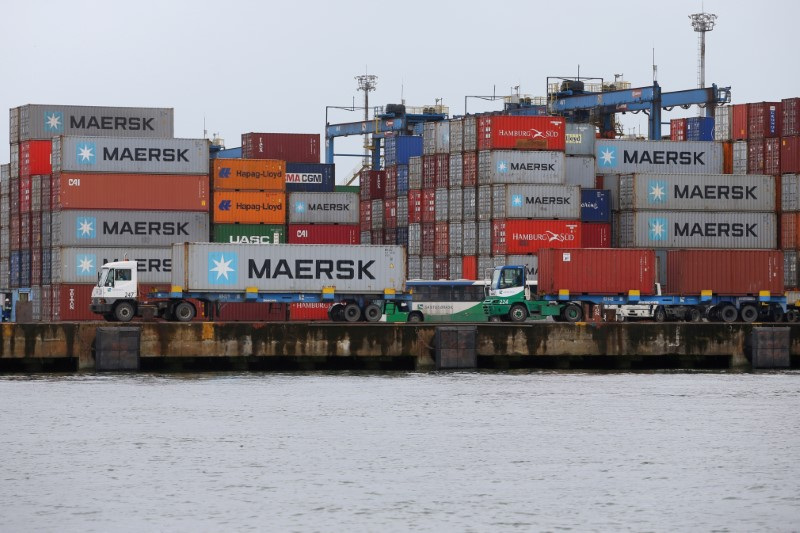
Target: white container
[455,210]
[536,201]
[790,193]
[323,208]
[512,166]
[662,157]
[456,136]
[740,156]
[580,171]
[722,123]
[579,139]
[77,264]
[442,205]
[48,121]
[456,170]
[126,228]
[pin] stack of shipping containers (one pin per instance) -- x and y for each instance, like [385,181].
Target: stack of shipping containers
[789,161]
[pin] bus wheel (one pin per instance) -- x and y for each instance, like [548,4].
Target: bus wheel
[352,313]
[748,313]
[184,312]
[372,313]
[571,313]
[416,316]
[728,313]
[124,312]
[518,313]
[335,312]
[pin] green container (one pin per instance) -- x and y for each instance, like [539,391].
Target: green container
[250,233]
[347,188]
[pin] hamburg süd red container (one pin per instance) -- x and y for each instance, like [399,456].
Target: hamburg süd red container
[303,311]
[323,234]
[510,132]
[596,235]
[740,126]
[34,157]
[724,272]
[597,270]
[289,147]
[790,155]
[530,236]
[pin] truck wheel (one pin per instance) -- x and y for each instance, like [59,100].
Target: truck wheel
[518,313]
[776,314]
[494,318]
[693,314]
[109,317]
[792,316]
[728,313]
[124,312]
[416,316]
[184,312]
[372,313]
[660,315]
[571,313]
[352,312]
[748,313]
[335,313]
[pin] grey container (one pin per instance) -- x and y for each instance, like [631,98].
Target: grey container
[697,229]
[484,237]
[579,139]
[455,208]
[13,161]
[531,263]
[456,170]
[790,193]
[662,157]
[13,125]
[5,177]
[127,228]
[47,121]
[402,211]
[429,138]
[469,233]
[442,205]
[377,214]
[509,166]
[456,271]
[790,269]
[426,267]
[350,269]
[470,142]
[77,264]
[580,171]
[365,237]
[323,208]
[130,155]
[722,123]
[470,203]
[487,263]
[414,267]
[536,201]
[611,184]
[740,154]
[414,239]
[415,172]
[456,241]
[697,192]
[36,192]
[456,137]
[442,137]
[483,202]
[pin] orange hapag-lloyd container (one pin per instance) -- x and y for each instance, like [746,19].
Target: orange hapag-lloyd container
[250,207]
[160,192]
[250,174]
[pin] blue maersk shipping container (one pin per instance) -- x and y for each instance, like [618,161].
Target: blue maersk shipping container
[595,205]
[310,177]
[402,180]
[700,129]
[399,149]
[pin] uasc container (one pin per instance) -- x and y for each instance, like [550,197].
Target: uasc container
[250,233]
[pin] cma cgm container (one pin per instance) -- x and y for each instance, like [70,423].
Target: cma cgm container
[728,272]
[498,132]
[536,201]
[81,264]
[281,268]
[250,233]
[597,271]
[530,236]
[706,192]
[127,228]
[310,177]
[662,157]
[697,229]
[130,155]
[323,234]
[130,191]
[47,121]
[289,147]
[250,207]
[249,174]
[507,166]
[399,149]
[323,208]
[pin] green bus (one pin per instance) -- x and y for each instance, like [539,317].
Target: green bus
[440,301]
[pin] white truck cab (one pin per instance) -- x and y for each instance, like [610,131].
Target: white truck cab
[116,291]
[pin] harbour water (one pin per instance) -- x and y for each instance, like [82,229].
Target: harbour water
[472,451]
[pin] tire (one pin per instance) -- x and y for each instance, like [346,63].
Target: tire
[124,312]
[352,312]
[416,317]
[571,313]
[495,319]
[792,316]
[660,315]
[776,314]
[693,314]
[748,313]
[335,312]
[109,317]
[518,313]
[184,312]
[728,313]
[372,313]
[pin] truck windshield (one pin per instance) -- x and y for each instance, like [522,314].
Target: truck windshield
[507,278]
[101,280]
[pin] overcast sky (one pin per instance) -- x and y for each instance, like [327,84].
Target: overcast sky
[237,66]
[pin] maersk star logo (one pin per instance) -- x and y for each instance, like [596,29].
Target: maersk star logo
[86,153]
[86,227]
[656,192]
[607,156]
[86,265]
[658,229]
[516,200]
[502,167]
[223,268]
[299,207]
[53,121]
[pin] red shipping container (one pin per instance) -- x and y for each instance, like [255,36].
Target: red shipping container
[727,157]
[790,117]
[390,236]
[36,265]
[390,213]
[772,156]
[34,157]
[25,194]
[789,230]
[252,312]
[470,169]
[677,129]
[530,236]
[391,182]
[597,271]
[365,215]
[323,234]
[740,122]
[725,272]
[764,120]
[442,178]
[303,311]
[441,268]
[428,239]
[469,267]
[376,236]
[504,132]
[415,206]
[429,171]
[130,192]
[790,155]
[289,147]
[442,239]
[755,156]
[377,184]
[595,235]
[428,205]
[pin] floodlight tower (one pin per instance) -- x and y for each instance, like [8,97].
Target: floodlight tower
[702,23]
[366,83]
